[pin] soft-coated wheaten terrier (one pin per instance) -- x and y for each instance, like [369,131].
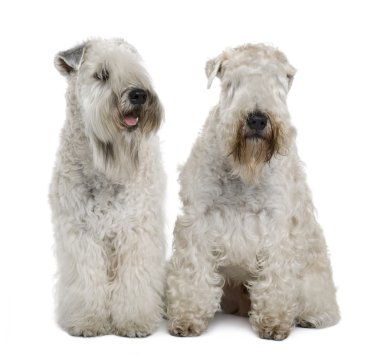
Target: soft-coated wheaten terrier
[248,236]
[107,194]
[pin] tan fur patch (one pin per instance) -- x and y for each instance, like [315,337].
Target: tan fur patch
[250,154]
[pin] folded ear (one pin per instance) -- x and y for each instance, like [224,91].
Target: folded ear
[290,72]
[213,69]
[69,61]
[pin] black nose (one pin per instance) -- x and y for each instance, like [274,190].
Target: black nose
[137,96]
[257,121]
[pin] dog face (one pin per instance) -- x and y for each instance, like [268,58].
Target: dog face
[115,97]
[253,121]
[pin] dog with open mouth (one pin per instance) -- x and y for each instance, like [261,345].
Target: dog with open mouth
[107,194]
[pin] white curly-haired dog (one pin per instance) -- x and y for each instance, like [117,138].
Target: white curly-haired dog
[107,194]
[248,237]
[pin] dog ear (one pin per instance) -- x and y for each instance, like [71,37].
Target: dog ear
[290,72]
[213,69]
[69,61]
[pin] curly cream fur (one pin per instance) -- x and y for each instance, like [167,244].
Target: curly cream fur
[248,218]
[106,197]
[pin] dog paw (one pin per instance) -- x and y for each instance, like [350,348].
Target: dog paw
[87,332]
[305,324]
[186,328]
[133,330]
[274,333]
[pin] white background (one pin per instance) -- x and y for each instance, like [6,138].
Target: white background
[334,103]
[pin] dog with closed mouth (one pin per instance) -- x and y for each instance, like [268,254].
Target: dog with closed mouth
[247,239]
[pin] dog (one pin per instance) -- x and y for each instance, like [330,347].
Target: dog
[247,236]
[106,194]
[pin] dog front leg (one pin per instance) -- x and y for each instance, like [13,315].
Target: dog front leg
[194,287]
[274,291]
[138,286]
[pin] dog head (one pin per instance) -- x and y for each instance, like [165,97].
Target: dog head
[253,124]
[115,98]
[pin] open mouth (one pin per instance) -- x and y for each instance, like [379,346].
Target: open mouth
[131,120]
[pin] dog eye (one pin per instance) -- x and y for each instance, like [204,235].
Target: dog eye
[103,75]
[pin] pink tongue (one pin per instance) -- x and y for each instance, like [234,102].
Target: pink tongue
[130,120]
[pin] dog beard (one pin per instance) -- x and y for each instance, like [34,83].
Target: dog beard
[116,148]
[250,153]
